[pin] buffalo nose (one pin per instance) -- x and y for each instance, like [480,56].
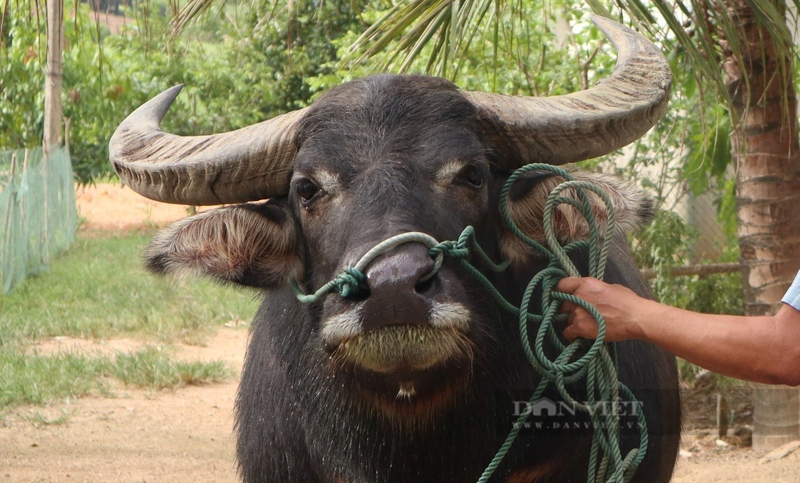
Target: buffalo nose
[399,290]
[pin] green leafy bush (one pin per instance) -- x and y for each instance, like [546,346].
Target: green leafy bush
[236,73]
[666,243]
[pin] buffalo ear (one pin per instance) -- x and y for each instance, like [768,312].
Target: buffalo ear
[634,208]
[251,244]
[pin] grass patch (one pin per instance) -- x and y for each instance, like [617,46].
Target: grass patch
[33,379]
[151,368]
[99,289]
[39,380]
[41,420]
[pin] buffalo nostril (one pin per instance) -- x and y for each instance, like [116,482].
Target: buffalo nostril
[428,286]
[358,296]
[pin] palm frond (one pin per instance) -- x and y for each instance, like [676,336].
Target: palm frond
[698,31]
[401,35]
[709,37]
[191,11]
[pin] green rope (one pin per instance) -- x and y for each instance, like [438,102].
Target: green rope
[593,363]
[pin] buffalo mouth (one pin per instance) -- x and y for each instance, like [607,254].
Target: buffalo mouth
[404,366]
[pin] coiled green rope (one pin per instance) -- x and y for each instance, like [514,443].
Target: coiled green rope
[593,362]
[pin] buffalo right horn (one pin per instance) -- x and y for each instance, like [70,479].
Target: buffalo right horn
[248,164]
[586,124]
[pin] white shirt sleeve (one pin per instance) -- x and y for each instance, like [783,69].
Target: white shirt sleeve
[792,296]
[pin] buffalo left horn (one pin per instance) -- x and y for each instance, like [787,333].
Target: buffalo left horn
[586,124]
[248,164]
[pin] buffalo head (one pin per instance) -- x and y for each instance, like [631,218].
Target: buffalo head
[371,159]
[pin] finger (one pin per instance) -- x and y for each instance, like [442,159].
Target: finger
[570,333]
[567,307]
[581,324]
[579,328]
[578,313]
[569,284]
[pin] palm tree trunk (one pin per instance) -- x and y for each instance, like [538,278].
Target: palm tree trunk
[767,156]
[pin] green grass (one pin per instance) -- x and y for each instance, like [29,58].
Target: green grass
[100,290]
[32,379]
[40,420]
[37,379]
[152,368]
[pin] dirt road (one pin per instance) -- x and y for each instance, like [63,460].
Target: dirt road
[136,436]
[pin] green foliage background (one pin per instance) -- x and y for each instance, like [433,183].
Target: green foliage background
[237,71]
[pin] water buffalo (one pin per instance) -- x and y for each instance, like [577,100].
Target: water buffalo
[413,379]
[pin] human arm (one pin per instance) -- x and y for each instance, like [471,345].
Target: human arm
[761,349]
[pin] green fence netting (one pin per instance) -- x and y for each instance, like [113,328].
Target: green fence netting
[38,217]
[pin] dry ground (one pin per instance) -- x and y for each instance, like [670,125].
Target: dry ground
[137,436]
[113,207]
[186,435]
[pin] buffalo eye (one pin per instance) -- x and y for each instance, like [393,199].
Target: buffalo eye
[306,190]
[472,175]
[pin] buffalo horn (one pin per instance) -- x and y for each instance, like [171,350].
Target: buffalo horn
[255,162]
[251,163]
[585,124]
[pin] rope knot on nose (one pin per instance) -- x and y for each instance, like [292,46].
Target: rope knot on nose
[449,249]
[350,281]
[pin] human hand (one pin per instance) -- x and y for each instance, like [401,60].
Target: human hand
[619,306]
